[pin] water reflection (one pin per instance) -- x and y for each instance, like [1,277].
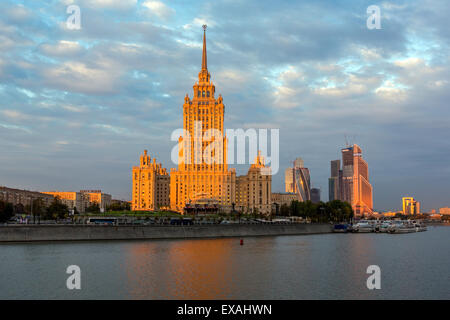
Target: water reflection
[332,266]
[197,269]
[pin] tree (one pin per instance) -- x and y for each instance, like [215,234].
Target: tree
[6,211]
[56,210]
[284,210]
[93,208]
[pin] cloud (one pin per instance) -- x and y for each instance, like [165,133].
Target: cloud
[158,9]
[61,48]
[319,75]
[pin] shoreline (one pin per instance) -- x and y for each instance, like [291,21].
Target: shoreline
[46,233]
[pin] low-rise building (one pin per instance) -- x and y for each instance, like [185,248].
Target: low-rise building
[97,196]
[444,210]
[23,197]
[73,200]
[284,198]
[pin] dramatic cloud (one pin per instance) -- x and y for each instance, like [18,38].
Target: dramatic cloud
[78,106]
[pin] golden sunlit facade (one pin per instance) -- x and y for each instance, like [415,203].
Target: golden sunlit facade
[410,206]
[71,199]
[150,185]
[103,200]
[202,165]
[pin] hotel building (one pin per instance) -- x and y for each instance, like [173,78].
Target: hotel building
[202,182]
[203,174]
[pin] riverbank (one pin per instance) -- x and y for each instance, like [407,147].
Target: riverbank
[32,233]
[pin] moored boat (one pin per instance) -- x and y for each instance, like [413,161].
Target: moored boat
[402,227]
[363,226]
[341,228]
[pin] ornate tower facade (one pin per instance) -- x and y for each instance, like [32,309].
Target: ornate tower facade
[202,165]
[150,185]
[254,190]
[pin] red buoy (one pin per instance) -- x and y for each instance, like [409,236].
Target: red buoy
[242,242]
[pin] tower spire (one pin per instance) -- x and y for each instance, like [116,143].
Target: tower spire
[204,57]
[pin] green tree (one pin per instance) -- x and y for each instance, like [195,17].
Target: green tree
[56,210]
[6,211]
[284,210]
[93,208]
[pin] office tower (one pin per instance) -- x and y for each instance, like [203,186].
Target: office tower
[334,182]
[297,180]
[302,183]
[410,206]
[289,180]
[315,195]
[150,185]
[198,179]
[356,188]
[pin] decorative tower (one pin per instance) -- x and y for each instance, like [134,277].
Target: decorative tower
[202,168]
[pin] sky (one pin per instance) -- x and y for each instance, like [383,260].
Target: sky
[78,107]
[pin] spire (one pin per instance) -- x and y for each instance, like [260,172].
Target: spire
[204,58]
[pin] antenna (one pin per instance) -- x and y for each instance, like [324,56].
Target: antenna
[346,141]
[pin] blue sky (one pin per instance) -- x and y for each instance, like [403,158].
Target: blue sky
[77,107]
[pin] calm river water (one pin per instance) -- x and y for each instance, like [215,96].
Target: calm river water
[331,266]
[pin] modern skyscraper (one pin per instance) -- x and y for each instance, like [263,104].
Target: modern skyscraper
[356,188]
[315,195]
[289,180]
[202,168]
[410,206]
[334,182]
[297,180]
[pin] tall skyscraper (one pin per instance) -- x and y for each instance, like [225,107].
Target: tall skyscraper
[289,180]
[410,206]
[315,195]
[198,179]
[334,182]
[297,180]
[356,188]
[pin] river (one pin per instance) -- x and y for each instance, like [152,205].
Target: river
[327,266]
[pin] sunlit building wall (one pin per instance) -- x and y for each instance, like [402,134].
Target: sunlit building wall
[289,180]
[356,188]
[254,190]
[150,185]
[197,180]
[410,206]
